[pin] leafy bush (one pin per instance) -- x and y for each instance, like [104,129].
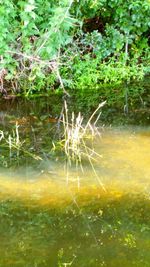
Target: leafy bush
[45,44]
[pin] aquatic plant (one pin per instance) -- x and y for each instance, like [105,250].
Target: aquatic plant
[13,146]
[74,138]
[75,134]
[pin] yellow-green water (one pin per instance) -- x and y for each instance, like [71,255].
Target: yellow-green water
[53,218]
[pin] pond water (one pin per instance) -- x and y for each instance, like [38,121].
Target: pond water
[91,218]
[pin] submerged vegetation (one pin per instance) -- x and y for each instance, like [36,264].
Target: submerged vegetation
[48,222]
[110,232]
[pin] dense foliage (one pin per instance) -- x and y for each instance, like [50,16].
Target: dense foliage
[73,45]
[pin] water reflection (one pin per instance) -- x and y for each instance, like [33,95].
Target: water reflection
[124,167]
[46,221]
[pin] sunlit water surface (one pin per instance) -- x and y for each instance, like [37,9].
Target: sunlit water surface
[101,217]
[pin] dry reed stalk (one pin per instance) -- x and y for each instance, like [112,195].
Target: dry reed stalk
[75,134]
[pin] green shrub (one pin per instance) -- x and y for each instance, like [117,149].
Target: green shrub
[45,45]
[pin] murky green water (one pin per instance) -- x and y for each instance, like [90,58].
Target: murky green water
[52,218]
